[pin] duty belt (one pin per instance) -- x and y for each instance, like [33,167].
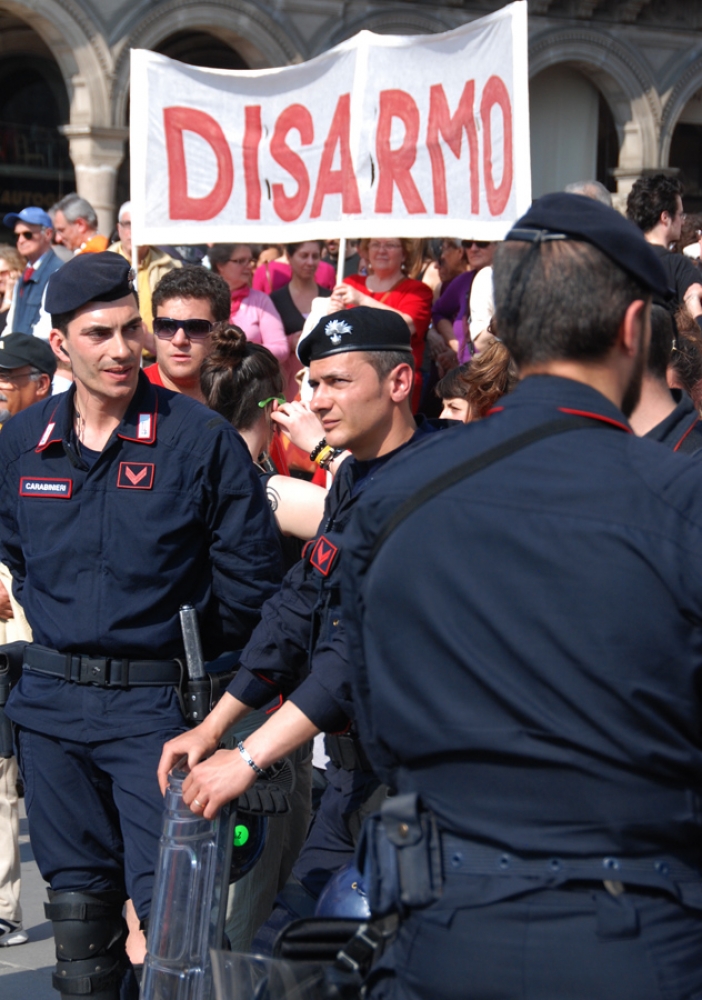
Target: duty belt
[108,672]
[466,857]
[346,752]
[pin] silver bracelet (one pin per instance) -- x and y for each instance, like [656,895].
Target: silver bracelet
[249,759]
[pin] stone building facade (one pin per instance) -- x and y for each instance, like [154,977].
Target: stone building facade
[616,85]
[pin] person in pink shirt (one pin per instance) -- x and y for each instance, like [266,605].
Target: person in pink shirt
[252,310]
[272,275]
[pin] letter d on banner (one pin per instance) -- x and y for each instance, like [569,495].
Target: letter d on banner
[180,205]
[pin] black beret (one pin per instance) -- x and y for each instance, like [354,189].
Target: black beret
[89,277]
[360,329]
[20,349]
[575,217]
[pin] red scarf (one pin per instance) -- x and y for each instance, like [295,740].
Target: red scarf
[238,296]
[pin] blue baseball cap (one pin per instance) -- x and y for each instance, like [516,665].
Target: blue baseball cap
[33,216]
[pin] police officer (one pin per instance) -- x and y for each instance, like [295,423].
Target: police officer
[361,373]
[535,701]
[119,501]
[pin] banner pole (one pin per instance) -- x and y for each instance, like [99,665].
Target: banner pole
[341,261]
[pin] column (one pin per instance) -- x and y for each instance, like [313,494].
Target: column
[97,153]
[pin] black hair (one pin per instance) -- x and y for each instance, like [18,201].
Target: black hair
[237,375]
[650,197]
[386,361]
[291,248]
[560,299]
[662,341]
[194,282]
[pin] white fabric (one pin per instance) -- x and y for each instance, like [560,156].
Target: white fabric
[409,135]
[482,304]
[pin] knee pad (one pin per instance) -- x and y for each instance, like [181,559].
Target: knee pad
[89,932]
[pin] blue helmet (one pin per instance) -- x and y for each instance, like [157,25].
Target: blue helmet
[344,895]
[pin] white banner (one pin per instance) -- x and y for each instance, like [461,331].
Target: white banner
[381,136]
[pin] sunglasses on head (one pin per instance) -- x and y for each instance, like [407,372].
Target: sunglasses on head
[480,244]
[194,329]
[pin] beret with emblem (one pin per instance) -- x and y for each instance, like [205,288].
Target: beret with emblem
[360,329]
[20,349]
[89,277]
[562,216]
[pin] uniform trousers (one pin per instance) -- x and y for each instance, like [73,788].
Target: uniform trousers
[555,944]
[95,812]
[9,842]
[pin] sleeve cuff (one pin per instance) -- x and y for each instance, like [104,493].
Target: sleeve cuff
[318,705]
[251,689]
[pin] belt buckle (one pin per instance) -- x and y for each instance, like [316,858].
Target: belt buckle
[94,670]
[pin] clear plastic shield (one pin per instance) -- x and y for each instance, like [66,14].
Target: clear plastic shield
[252,977]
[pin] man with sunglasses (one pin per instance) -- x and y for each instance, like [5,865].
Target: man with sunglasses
[33,234]
[186,305]
[119,502]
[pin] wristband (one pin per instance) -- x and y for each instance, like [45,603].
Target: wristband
[249,759]
[318,449]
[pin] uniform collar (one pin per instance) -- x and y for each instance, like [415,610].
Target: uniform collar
[137,425]
[677,425]
[565,395]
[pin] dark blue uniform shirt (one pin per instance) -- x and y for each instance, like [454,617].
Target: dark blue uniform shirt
[682,429]
[302,624]
[104,549]
[527,646]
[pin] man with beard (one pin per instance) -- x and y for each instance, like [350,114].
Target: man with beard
[523,602]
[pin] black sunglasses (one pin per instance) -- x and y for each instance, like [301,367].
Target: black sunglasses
[480,244]
[194,329]
[25,234]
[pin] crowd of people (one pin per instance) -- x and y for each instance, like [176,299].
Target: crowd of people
[211,430]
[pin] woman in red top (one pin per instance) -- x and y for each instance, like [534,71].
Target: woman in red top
[387,287]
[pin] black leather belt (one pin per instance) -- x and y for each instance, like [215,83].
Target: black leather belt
[102,671]
[465,857]
[346,752]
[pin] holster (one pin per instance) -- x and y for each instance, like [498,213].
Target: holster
[399,853]
[11,656]
[199,697]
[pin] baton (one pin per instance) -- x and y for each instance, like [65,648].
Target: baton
[197,699]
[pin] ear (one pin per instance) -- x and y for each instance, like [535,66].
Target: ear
[57,339]
[635,326]
[43,386]
[400,381]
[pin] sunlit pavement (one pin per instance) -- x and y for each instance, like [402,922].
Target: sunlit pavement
[26,968]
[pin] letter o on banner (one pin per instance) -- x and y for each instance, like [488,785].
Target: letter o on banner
[494,93]
[180,205]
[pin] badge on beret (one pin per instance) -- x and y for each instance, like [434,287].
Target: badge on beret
[335,330]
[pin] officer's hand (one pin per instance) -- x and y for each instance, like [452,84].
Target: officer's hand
[302,426]
[195,744]
[218,780]
[5,605]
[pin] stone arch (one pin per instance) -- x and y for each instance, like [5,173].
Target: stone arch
[398,22]
[260,39]
[79,49]
[688,83]
[624,80]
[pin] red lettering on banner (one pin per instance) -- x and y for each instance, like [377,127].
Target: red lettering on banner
[253,131]
[180,205]
[290,208]
[450,128]
[496,93]
[394,165]
[342,181]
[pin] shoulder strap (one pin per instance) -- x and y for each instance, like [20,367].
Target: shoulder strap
[477,464]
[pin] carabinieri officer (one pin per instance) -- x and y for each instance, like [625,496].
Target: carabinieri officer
[119,501]
[535,699]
